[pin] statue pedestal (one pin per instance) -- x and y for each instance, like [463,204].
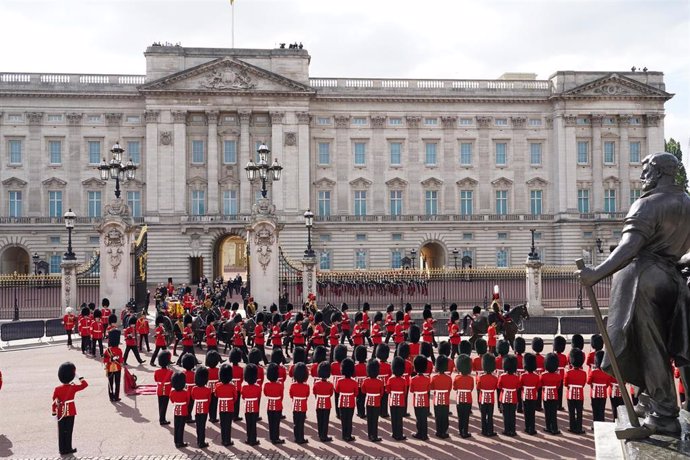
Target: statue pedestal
[117,233]
[264,256]
[308,277]
[69,284]
[533,272]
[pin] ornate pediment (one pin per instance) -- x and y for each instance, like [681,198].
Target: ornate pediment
[226,75]
[14,182]
[396,182]
[360,182]
[615,86]
[537,182]
[54,182]
[229,180]
[92,182]
[611,180]
[197,181]
[432,182]
[467,182]
[502,182]
[324,183]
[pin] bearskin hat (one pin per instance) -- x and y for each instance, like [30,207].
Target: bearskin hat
[408,307]
[529,362]
[360,353]
[426,314]
[358,317]
[273,308]
[227,305]
[97,314]
[235,356]
[403,350]
[299,355]
[465,347]
[398,366]
[85,311]
[340,353]
[237,318]
[577,341]
[112,319]
[159,319]
[343,307]
[538,344]
[289,307]
[425,349]
[164,358]
[67,372]
[510,364]
[599,358]
[365,306]
[235,306]
[318,317]
[480,346]
[132,321]
[520,345]
[178,381]
[300,372]
[399,316]
[336,317]
[105,302]
[390,308]
[559,344]
[453,307]
[225,373]
[503,347]
[577,357]
[488,363]
[415,333]
[378,316]
[324,370]
[383,352]
[373,368]
[276,318]
[114,338]
[277,356]
[188,319]
[260,317]
[597,342]
[551,362]
[251,373]
[454,316]
[272,372]
[476,310]
[441,364]
[212,358]
[427,306]
[320,354]
[420,364]
[347,368]
[254,356]
[299,317]
[444,348]
[210,318]
[201,376]
[463,364]
[188,361]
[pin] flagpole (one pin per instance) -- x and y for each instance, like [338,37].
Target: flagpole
[232,5]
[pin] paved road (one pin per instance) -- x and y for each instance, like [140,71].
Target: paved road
[129,429]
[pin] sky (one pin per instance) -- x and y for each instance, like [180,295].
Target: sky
[453,39]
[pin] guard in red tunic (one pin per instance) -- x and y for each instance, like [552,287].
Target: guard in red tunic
[276,333]
[68,321]
[179,398]
[403,351]
[559,344]
[376,331]
[105,313]
[273,391]
[597,343]
[520,346]
[530,384]
[333,332]
[487,383]
[211,333]
[419,388]
[399,330]
[339,354]
[298,333]
[463,384]
[278,357]
[502,349]
[413,335]
[396,390]
[390,322]
[345,325]
[358,330]
[441,384]
[385,371]
[320,355]
[162,378]
[480,347]
[213,359]
[615,396]
[444,349]
[260,337]
[299,393]
[97,333]
[187,338]
[407,318]
[226,393]
[84,327]
[347,390]
[428,326]
[131,340]
[509,384]
[550,381]
[360,375]
[373,388]
[454,334]
[574,382]
[318,337]
[112,360]
[251,392]
[599,382]
[160,338]
[538,347]
[143,329]
[366,322]
[254,357]
[63,405]
[201,395]
[323,392]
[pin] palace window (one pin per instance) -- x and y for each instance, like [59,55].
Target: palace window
[94,203]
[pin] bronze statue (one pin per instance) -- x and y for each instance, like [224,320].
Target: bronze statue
[649,321]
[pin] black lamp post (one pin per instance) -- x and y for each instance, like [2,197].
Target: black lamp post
[455,257]
[309,223]
[262,169]
[70,217]
[116,169]
[16,303]
[413,254]
[533,255]
[35,259]
[599,243]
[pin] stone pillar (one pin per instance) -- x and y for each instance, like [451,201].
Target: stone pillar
[116,271]
[152,162]
[180,162]
[278,188]
[69,284]
[264,255]
[308,277]
[343,161]
[212,170]
[484,157]
[597,198]
[624,164]
[245,153]
[303,161]
[533,269]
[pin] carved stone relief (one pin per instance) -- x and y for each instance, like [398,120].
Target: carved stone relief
[264,238]
[228,79]
[166,137]
[114,241]
[290,138]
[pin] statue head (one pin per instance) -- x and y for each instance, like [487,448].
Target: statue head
[658,167]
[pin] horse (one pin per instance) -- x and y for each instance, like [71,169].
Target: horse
[509,329]
[478,326]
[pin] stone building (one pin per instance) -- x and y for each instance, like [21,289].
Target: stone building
[445,168]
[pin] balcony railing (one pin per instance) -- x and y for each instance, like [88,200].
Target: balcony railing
[463,218]
[41,81]
[57,220]
[216,218]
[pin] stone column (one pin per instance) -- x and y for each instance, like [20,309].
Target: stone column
[212,165]
[69,284]
[35,143]
[533,272]
[264,255]
[519,149]
[343,159]
[152,161]
[245,154]
[179,171]
[485,157]
[278,188]
[624,164]
[308,277]
[655,132]
[413,203]
[379,160]
[597,198]
[304,165]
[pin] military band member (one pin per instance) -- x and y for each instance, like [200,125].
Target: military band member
[347,390]
[574,383]
[162,378]
[299,393]
[143,329]
[413,335]
[463,384]
[441,384]
[376,331]
[373,389]
[63,405]
[179,398]
[259,336]
[211,333]
[226,393]
[131,341]
[366,322]
[112,360]
[509,384]
[97,333]
[68,321]
[334,334]
[251,393]
[201,395]
[323,392]
[160,341]
[360,356]
[550,381]
[599,382]
[84,328]
[530,384]
[399,331]
[345,325]
[213,359]
[487,383]
[273,391]
[559,344]
[419,388]
[454,334]
[298,334]
[396,391]
[390,322]
[358,330]
[385,371]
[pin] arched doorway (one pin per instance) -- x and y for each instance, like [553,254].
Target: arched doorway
[432,255]
[230,257]
[15,259]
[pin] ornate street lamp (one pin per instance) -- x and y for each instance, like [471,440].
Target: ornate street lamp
[533,255]
[70,217]
[117,170]
[309,223]
[262,170]
[599,243]
[455,257]
[413,255]
[35,259]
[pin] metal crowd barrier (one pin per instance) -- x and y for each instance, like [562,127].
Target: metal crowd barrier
[18,330]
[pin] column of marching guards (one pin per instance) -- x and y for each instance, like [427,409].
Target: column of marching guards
[357,380]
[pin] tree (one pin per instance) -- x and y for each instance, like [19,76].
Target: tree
[673,146]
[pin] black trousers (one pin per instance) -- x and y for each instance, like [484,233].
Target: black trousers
[373,413]
[464,410]
[539,400]
[178,425]
[274,424]
[361,405]
[185,349]
[397,413]
[530,406]
[422,414]
[560,396]
[575,414]
[114,379]
[237,407]
[615,402]
[384,405]
[487,415]
[213,408]
[85,344]
[251,418]
[65,428]
[100,346]
[322,418]
[598,409]
[509,417]
[441,415]
[162,408]
[298,419]
[346,335]
[134,350]
[155,354]
[69,338]
[454,350]
[346,414]
[144,338]
[200,428]
[262,350]
[550,415]
[226,427]
[388,337]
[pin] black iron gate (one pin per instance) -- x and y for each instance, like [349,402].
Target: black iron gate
[140,266]
[290,282]
[89,281]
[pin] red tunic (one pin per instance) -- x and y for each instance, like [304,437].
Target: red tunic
[487,384]
[213,378]
[399,334]
[237,378]
[335,372]
[477,365]
[317,337]
[530,384]
[202,399]
[550,381]
[226,394]
[397,390]
[297,336]
[211,338]
[143,327]
[130,337]
[112,359]
[463,386]
[238,335]
[365,320]
[390,323]
[428,330]
[385,372]
[376,336]
[189,379]
[491,336]
[360,373]
[614,389]
[299,392]
[562,363]
[345,325]
[333,336]
[575,381]
[179,401]
[347,390]
[276,338]
[509,384]
[520,364]
[105,315]
[274,396]
[441,384]
[63,399]
[96,330]
[68,321]
[323,392]
[162,378]
[187,337]
[358,334]
[252,397]
[414,350]
[259,338]
[160,337]
[406,321]
[373,390]
[419,387]
[591,359]
[540,363]
[454,333]
[84,326]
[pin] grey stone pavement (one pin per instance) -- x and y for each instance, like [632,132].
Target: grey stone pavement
[129,430]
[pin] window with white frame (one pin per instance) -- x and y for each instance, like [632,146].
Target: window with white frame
[134,202]
[395,153]
[324,153]
[55,151]
[230,202]
[635,193]
[583,152]
[430,153]
[431,202]
[361,259]
[583,200]
[535,153]
[501,202]
[54,117]
[396,202]
[134,151]
[323,121]
[501,122]
[197,151]
[93,199]
[360,151]
[55,261]
[534,122]
[466,202]
[15,203]
[635,150]
[431,121]
[359,121]
[94,148]
[324,202]
[360,236]
[132,119]
[467,236]
[502,258]
[535,201]
[501,153]
[609,152]
[502,235]
[468,253]
[465,121]
[229,151]
[55,203]
[325,237]
[610,200]
[55,240]
[325,260]
[396,236]
[15,148]
[360,203]
[396,258]
[395,121]
[466,153]
[198,202]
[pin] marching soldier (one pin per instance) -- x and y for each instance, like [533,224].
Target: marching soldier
[188,364]
[550,381]
[160,339]
[251,393]
[347,390]
[143,329]
[345,326]
[366,324]
[276,334]
[274,390]
[211,334]
[509,384]
[84,328]
[530,384]
[212,361]
[486,386]
[399,331]
[201,395]
[298,334]
[396,389]
[441,384]
[162,378]
[112,360]
[187,338]
[358,330]
[574,382]
[131,341]
[320,355]
[299,393]
[454,334]
[259,336]
[463,386]
[318,338]
[372,388]
[419,387]
[599,381]
[333,334]
[179,398]
[226,393]
[97,333]
[69,321]
[376,334]
[407,318]
[428,326]
[413,336]
[390,322]
[323,392]
[63,405]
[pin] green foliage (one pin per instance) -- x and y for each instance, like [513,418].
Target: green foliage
[673,146]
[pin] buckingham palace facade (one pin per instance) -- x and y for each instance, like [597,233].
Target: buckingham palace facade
[437,169]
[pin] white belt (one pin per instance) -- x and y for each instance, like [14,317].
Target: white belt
[224,399]
[273,398]
[299,399]
[506,393]
[201,400]
[179,404]
[322,396]
[251,399]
